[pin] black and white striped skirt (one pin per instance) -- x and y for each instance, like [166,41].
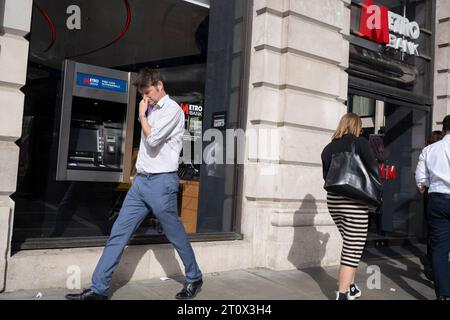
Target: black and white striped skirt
[352,220]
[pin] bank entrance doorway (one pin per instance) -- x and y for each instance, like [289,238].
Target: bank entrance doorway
[397,134]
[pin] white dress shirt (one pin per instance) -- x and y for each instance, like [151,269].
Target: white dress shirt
[433,169]
[160,151]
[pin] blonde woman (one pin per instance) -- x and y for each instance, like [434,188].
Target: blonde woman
[351,217]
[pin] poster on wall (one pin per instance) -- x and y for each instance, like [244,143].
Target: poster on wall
[193,117]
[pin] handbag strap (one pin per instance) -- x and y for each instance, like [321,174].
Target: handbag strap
[353,147]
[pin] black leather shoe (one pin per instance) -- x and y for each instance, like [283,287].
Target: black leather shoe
[87,294]
[189,290]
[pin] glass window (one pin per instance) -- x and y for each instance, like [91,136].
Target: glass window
[199,48]
[397,136]
[404,135]
[363,106]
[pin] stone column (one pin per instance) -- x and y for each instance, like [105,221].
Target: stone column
[298,87]
[441,106]
[15,20]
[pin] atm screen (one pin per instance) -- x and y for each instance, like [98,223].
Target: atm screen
[84,139]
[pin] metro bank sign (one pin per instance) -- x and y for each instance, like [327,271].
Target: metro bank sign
[99,82]
[385,27]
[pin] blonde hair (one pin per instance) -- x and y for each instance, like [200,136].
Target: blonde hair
[349,123]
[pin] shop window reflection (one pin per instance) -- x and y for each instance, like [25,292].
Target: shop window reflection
[396,135]
[171,35]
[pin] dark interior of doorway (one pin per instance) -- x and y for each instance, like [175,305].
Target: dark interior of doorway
[404,134]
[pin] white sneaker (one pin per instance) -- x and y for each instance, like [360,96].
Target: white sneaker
[354,292]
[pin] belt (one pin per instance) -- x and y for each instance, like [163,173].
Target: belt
[440,195]
[154,174]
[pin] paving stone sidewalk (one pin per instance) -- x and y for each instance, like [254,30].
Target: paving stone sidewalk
[401,277]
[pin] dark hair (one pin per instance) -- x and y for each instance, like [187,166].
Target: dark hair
[435,137]
[147,77]
[446,123]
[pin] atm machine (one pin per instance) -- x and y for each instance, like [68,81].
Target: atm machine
[96,128]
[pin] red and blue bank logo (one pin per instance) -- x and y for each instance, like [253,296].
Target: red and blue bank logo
[88,80]
[97,82]
[388,28]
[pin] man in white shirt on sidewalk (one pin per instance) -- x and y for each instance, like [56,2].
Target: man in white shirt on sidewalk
[433,171]
[154,188]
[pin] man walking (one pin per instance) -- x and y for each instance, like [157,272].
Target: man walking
[154,188]
[433,171]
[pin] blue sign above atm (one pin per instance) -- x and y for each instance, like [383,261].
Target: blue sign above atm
[97,82]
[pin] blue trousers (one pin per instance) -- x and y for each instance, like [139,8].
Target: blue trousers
[439,222]
[157,192]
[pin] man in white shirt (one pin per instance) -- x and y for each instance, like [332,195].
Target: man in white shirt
[155,188]
[433,171]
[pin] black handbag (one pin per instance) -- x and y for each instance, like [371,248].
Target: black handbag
[349,177]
